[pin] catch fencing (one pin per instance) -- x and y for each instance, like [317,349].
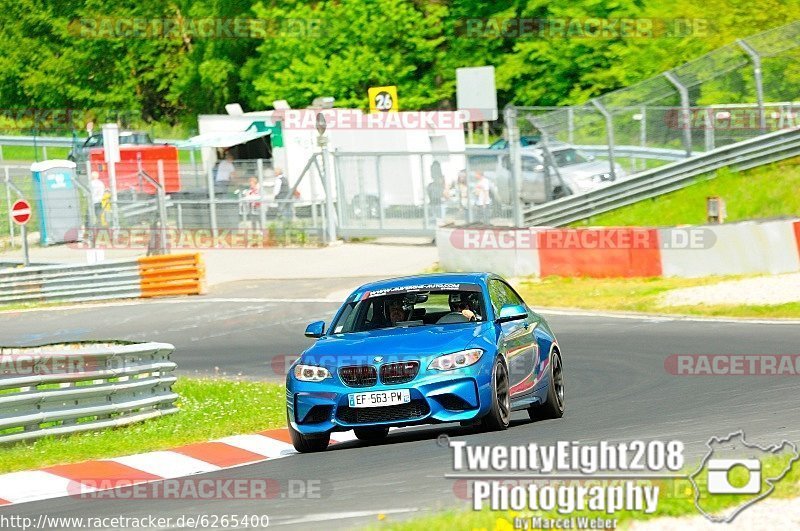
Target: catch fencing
[67,388]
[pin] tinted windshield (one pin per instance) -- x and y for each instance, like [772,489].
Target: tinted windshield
[406,308]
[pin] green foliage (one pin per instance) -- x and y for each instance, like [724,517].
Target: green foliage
[81,55]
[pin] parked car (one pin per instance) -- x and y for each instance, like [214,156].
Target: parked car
[524,140]
[578,172]
[80,153]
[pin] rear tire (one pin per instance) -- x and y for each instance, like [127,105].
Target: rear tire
[371,434]
[499,415]
[307,443]
[553,407]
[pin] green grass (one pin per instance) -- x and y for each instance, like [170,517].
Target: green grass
[676,498]
[637,295]
[209,409]
[763,192]
[27,154]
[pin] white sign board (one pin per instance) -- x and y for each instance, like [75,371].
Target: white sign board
[476,93]
[111,142]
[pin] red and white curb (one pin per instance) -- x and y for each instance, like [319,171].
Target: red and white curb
[75,478]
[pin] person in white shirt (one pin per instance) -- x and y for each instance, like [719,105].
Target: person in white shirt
[98,190]
[225,172]
[483,197]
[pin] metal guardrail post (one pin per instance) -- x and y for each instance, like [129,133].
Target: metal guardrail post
[609,136]
[8,205]
[112,184]
[515,156]
[262,199]
[756,59]
[686,112]
[162,209]
[212,204]
[708,122]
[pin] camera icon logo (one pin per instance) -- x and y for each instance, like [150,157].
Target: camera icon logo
[719,476]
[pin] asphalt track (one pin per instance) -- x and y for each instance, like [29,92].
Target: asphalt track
[617,390]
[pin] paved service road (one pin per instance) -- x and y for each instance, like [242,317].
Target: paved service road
[616,385]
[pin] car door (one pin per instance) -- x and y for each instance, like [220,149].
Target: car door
[516,340]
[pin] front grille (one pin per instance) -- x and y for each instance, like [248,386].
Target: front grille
[397,373]
[359,375]
[355,415]
[318,414]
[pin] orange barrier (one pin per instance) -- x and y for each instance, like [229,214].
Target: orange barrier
[797,235]
[611,252]
[172,274]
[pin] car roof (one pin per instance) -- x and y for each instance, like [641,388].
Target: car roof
[432,278]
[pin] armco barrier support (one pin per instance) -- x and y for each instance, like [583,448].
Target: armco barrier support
[606,252]
[46,389]
[171,274]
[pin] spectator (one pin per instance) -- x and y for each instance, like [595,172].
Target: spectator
[436,191]
[483,197]
[282,193]
[97,189]
[225,172]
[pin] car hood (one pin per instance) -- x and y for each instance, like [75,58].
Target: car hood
[394,344]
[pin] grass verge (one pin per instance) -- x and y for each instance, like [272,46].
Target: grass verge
[763,192]
[676,499]
[637,295]
[209,409]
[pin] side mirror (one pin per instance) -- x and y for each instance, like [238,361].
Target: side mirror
[315,329]
[512,312]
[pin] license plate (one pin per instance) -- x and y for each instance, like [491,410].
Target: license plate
[379,398]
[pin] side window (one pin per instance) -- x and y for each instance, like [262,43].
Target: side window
[501,294]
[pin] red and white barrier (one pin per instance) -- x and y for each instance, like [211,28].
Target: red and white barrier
[738,248]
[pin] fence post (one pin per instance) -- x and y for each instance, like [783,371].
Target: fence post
[570,125]
[425,205]
[609,136]
[380,190]
[515,154]
[756,59]
[162,208]
[212,204]
[112,184]
[262,199]
[709,125]
[685,111]
[8,205]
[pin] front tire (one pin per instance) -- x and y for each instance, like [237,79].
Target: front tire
[499,415]
[372,434]
[553,407]
[307,443]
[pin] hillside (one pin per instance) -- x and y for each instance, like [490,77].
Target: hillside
[765,192]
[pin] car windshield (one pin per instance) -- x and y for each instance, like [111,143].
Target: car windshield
[570,156]
[402,307]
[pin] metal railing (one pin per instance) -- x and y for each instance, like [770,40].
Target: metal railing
[76,283]
[765,149]
[68,388]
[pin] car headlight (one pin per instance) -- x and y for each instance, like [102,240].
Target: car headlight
[311,373]
[456,360]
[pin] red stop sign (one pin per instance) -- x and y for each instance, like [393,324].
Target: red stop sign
[21,212]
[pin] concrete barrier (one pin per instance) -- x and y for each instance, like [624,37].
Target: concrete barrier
[750,247]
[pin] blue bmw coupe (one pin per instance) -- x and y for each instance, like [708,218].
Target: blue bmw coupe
[449,347]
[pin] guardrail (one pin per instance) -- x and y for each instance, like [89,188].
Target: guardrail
[764,149]
[637,152]
[171,274]
[99,385]
[149,276]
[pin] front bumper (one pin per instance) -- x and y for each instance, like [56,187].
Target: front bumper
[453,396]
